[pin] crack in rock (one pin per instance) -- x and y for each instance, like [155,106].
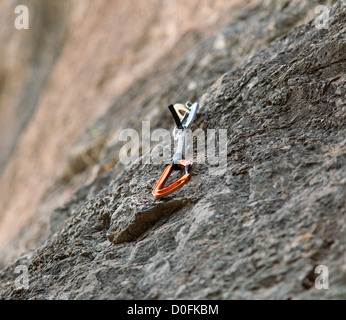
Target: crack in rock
[128,223]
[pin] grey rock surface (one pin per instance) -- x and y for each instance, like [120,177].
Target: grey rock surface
[254,231]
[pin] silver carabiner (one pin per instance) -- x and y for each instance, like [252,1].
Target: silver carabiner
[192,114]
[180,133]
[188,118]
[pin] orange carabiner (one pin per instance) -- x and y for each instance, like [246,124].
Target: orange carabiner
[159,190]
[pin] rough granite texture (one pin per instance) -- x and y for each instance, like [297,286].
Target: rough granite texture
[256,231]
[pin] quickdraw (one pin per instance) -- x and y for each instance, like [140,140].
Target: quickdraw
[183,122]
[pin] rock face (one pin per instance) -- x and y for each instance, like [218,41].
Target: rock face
[72,65]
[258,229]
